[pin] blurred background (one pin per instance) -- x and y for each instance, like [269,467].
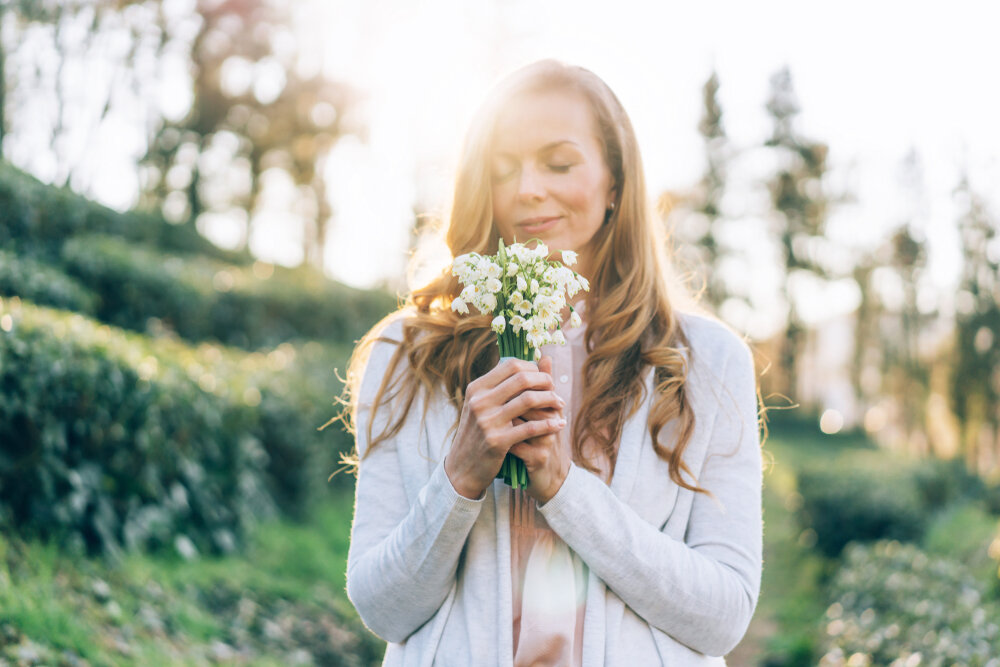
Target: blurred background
[205,203]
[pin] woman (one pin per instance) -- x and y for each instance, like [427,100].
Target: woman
[638,539]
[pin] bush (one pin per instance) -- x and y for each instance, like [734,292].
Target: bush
[891,602]
[203,299]
[43,284]
[110,440]
[845,505]
[942,482]
[36,219]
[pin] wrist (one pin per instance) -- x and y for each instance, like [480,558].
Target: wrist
[460,485]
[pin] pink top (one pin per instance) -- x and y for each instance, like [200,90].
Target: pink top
[549,579]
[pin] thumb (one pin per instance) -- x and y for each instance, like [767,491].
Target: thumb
[545,365]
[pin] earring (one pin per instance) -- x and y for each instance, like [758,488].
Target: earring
[611,208]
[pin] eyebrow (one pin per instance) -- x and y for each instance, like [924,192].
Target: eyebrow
[546,147]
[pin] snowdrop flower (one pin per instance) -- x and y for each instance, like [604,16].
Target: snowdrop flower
[558,338]
[534,286]
[522,284]
[498,324]
[584,283]
[568,257]
[459,306]
[493,285]
[487,303]
[541,250]
[517,323]
[574,319]
[491,269]
[469,292]
[515,298]
[512,269]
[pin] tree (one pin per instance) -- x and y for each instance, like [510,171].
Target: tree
[253,111]
[801,207]
[976,379]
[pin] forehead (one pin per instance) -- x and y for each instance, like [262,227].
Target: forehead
[532,122]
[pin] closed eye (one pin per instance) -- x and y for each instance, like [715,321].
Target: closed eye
[560,168]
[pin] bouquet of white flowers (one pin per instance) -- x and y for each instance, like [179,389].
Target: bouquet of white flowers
[525,292]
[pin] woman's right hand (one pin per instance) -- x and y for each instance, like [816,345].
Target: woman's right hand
[486,429]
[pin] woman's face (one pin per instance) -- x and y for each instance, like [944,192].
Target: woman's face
[549,177]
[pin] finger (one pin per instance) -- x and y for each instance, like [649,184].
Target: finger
[542,413]
[532,429]
[502,371]
[545,364]
[517,383]
[527,401]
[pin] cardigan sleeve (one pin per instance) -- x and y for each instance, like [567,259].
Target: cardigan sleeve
[702,591]
[403,556]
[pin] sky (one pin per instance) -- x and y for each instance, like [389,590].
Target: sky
[874,79]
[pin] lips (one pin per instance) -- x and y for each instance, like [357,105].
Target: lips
[537,224]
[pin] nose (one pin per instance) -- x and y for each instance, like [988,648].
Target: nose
[530,185]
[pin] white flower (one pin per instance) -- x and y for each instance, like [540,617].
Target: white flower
[572,286]
[558,337]
[574,319]
[584,283]
[568,257]
[459,306]
[498,324]
[491,269]
[512,269]
[517,323]
[541,250]
[469,292]
[534,286]
[493,285]
[515,298]
[487,303]
[522,284]
[524,307]
[538,354]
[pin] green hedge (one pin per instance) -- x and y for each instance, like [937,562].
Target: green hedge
[858,499]
[112,440]
[36,219]
[893,604]
[43,284]
[203,299]
[844,505]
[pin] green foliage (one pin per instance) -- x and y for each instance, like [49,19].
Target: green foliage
[36,219]
[891,601]
[201,299]
[111,440]
[43,284]
[841,506]
[258,605]
[941,482]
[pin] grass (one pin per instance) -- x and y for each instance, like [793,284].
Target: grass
[282,601]
[788,623]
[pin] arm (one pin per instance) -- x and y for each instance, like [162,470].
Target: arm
[402,559]
[701,591]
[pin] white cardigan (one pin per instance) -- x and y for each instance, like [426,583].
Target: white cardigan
[674,576]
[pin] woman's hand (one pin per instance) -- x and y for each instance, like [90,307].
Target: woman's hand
[490,422]
[543,455]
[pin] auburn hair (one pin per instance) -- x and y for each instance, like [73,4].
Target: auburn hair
[630,322]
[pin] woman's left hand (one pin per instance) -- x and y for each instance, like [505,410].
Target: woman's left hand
[544,457]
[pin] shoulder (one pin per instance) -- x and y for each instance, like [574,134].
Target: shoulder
[375,352]
[711,341]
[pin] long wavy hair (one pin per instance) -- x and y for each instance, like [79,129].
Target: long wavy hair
[631,324]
